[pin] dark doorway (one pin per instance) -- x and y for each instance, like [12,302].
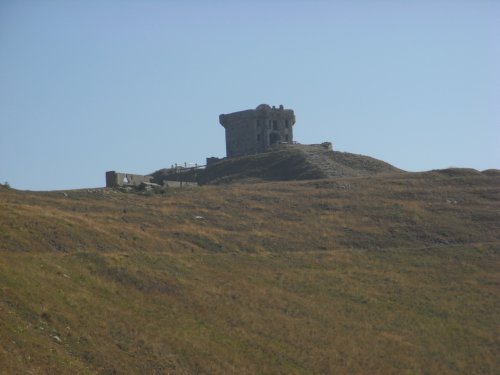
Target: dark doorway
[273,138]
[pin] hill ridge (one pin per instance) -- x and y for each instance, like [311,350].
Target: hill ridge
[294,162]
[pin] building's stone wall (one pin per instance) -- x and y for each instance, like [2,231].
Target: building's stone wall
[114,179]
[212,160]
[256,130]
[178,184]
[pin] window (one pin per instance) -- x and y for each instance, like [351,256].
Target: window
[273,138]
[286,137]
[275,124]
[258,137]
[287,123]
[258,123]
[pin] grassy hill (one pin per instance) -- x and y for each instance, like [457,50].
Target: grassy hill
[382,274]
[288,162]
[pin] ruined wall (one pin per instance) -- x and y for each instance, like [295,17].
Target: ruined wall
[114,179]
[256,130]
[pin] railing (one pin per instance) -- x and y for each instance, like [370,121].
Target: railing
[185,167]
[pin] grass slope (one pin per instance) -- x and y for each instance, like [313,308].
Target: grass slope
[281,165]
[374,275]
[291,162]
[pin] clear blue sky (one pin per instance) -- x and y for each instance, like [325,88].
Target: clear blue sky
[135,86]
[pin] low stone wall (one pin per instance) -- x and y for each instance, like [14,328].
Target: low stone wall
[114,179]
[178,184]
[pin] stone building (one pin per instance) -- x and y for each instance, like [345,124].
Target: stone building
[114,179]
[256,130]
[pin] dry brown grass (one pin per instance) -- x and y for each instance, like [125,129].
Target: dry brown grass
[363,275]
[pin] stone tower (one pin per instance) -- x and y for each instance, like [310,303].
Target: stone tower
[256,130]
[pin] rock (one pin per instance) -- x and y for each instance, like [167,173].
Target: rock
[57,339]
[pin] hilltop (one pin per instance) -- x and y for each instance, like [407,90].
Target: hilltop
[377,272]
[284,163]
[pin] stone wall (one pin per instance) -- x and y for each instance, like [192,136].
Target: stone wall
[114,179]
[257,130]
[212,160]
[178,184]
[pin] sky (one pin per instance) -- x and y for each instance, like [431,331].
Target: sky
[135,86]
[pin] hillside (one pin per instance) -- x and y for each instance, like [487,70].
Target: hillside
[288,162]
[393,273]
